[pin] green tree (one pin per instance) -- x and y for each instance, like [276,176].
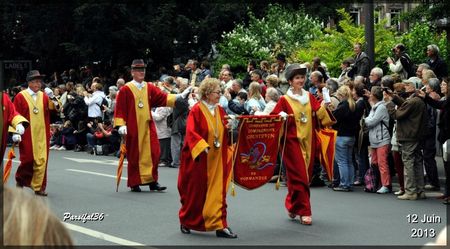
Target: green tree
[336,45]
[280,30]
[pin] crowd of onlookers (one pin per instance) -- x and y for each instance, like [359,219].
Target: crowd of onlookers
[388,122]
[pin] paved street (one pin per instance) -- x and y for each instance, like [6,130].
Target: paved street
[79,183]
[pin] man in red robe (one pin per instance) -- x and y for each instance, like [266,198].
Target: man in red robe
[35,106]
[10,117]
[133,116]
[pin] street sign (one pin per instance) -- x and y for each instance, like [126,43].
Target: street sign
[14,72]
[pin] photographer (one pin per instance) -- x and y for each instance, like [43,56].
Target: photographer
[411,119]
[403,64]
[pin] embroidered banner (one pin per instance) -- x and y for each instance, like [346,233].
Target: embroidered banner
[256,153]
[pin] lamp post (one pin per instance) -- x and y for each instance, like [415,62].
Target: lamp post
[369,31]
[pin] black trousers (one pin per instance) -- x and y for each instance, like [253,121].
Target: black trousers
[429,153]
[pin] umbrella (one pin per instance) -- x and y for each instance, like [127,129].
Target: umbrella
[123,151]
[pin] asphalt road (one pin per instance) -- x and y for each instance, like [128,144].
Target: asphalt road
[79,184]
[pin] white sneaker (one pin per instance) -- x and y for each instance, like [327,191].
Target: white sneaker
[383,190]
[62,148]
[400,192]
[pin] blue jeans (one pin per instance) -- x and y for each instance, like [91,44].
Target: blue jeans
[343,156]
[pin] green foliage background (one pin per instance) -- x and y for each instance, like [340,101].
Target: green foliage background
[280,30]
[299,36]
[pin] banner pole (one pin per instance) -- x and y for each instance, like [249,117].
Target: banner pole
[277,185]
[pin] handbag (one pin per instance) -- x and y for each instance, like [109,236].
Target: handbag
[98,135]
[372,179]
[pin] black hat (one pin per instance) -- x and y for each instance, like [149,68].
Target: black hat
[34,74]
[295,69]
[281,57]
[138,64]
[258,72]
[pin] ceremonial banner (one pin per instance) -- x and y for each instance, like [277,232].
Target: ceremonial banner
[256,152]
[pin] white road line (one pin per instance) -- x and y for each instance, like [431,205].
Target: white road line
[95,173]
[104,162]
[102,236]
[14,161]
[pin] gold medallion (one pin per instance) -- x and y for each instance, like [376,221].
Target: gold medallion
[140,104]
[303,118]
[35,110]
[216,143]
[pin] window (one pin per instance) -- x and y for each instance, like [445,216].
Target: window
[355,13]
[395,19]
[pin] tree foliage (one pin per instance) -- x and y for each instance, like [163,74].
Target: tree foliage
[56,36]
[280,30]
[336,45]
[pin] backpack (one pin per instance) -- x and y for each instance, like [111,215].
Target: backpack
[103,104]
[408,65]
[170,120]
[372,179]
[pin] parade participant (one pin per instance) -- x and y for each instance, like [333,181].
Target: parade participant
[133,117]
[10,117]
[300,141]
[204,172]
[35,106]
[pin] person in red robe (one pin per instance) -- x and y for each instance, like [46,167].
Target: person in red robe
[10,117]
[302,111]
[133,117]
[35,106]
[204,173]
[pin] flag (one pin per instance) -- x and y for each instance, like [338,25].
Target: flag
[326,140]
[256,152]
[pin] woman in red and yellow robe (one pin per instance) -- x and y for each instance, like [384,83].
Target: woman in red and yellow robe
[133,110]
[204,173]
[300,150]
[34,148]
[10,118]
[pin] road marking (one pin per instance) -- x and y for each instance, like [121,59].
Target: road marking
[95,173]
[102,236]
[104,162]
[14,161]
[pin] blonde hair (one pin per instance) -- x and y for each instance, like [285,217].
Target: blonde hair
[79,90]
[272,80]
[27,221]
[254,90]
[346,94]
[207,87]
[427,74]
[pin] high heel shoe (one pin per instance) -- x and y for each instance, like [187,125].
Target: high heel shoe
[306,220]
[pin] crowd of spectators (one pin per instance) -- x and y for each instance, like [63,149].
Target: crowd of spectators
[386,120]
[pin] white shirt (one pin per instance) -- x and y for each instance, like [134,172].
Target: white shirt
[304,98]
[33,94]
[211,108]
[94,103]
[139,85]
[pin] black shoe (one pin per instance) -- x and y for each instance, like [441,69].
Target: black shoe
[226,233]
[155,186]
[135,189]
[185,230]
